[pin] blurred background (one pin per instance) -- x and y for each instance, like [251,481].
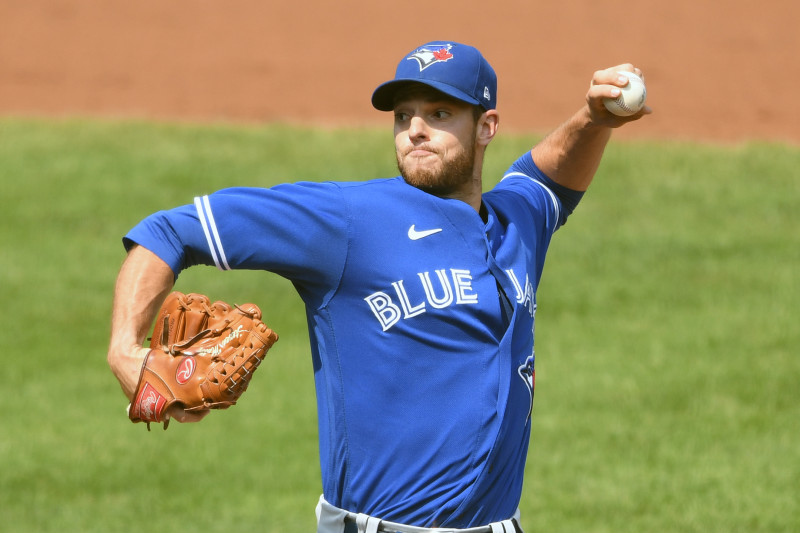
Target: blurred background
[715,70]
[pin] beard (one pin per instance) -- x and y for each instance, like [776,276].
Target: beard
[444,178]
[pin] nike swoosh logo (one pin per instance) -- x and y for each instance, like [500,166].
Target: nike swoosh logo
[415,235]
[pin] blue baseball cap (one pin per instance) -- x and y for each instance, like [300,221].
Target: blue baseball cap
[457,70]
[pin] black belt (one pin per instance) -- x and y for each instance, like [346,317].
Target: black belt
[350,526]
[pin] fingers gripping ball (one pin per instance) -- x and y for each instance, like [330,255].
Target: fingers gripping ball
[202,356]
[631,98]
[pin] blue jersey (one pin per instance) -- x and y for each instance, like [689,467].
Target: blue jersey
[421,320]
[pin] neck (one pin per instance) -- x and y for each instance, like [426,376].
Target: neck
[471,193]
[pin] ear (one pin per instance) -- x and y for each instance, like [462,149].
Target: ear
[487,127]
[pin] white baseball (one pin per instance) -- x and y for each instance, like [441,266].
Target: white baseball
[631,99]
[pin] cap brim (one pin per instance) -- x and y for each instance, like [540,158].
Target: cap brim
[383,99]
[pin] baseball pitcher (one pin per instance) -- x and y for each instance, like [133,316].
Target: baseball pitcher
[419,289]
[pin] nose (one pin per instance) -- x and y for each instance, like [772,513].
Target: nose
[418,129]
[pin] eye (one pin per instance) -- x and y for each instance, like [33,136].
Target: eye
[441,114]
[400,116]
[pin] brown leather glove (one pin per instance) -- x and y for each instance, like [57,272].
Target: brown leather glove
[202,356]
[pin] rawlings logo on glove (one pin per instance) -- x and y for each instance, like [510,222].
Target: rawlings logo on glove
[202,356]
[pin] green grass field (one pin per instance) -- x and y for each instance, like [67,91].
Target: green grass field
[668,376]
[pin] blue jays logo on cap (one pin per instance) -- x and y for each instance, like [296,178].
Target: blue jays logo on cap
[429,56]
[457,70]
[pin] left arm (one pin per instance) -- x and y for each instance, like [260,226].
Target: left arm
[571,154]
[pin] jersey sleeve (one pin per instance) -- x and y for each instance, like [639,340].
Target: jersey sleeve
[297,230]
[526,188]
[569,198]
[524,204]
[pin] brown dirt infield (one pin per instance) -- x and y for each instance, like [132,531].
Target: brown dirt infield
[719,71]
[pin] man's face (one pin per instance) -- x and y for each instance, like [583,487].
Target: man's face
[435,142]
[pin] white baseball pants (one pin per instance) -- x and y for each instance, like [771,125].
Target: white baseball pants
[331,519]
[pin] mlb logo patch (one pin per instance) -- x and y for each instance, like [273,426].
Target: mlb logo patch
[428,56]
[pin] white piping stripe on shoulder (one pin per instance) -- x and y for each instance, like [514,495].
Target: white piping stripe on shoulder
[515,174]
[553,197]
[210,230]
